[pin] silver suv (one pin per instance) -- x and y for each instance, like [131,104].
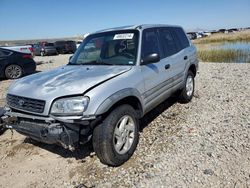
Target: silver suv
[115,77]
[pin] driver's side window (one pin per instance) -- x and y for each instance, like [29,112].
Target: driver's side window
[150,43]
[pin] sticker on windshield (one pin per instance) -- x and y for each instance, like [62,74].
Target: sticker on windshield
[123,36]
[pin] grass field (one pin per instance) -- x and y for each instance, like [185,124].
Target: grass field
[223,37]
[208,53]
[222,55]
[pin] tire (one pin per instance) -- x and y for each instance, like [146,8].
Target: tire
[115,140]
[13,71]
[42,53]
[186,94]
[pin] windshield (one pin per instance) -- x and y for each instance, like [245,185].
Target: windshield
[109,48]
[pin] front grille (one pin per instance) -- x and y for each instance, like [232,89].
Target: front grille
[24,103]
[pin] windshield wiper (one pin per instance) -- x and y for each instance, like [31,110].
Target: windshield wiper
[91,63]
[96,63]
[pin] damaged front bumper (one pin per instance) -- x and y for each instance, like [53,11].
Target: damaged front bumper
[65,131]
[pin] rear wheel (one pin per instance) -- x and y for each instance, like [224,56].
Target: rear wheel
[186,94]
[13,71]
[115,140]
[42,53]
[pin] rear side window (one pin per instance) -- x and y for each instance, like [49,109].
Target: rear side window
[71,42]
[48,44]
[4,53]
[167,42]
[150,43]
[181,37]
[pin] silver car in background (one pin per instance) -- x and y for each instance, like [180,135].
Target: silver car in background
[115,77]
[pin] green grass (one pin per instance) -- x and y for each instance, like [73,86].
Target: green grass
[222,37]
[222,55]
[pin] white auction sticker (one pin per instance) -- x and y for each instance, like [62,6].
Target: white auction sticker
[123,36]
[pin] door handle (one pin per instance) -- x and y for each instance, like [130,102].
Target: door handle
[167,66]
[185,57]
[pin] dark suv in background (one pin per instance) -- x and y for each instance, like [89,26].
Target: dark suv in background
[64,47]
[44,48]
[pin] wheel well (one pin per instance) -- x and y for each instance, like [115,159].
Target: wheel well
[193,69]
[132,101]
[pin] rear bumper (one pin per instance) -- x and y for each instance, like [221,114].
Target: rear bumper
[30,67]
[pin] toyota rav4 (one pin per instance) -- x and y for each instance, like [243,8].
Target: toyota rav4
[114,78]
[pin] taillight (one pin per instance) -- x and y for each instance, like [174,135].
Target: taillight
[27,56]
[31,49]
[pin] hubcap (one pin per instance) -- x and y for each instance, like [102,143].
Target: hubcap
[189,86]
[124,134]
[13,71]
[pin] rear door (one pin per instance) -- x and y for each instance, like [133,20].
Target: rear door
[174,47]
[183,45]
[4,54]
[156,77]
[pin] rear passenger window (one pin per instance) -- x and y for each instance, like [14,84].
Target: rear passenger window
[149,43]
[1,53]
[167,42]
[181,37]
[4,53]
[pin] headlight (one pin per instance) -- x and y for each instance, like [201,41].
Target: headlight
[70,106]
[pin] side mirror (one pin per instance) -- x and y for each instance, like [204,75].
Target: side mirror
[70,57]
[151,58]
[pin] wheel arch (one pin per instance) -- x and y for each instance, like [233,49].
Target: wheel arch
[128,96]
[193,69]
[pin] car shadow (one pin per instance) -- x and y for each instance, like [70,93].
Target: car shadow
[79,153]
[85,150]
[158,110]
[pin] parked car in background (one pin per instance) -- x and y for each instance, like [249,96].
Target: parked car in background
[44,48]
[64,47]
[24,48]
[15,64]
[78,43]
[192,35]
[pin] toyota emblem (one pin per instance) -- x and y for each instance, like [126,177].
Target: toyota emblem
[21,102]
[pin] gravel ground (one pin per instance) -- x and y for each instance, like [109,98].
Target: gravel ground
[205,143]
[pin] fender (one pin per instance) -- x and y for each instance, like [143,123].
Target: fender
[119,95]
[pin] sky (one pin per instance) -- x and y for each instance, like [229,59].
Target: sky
[34,19]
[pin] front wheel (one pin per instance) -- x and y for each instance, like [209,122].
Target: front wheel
[186,94]
[115,140]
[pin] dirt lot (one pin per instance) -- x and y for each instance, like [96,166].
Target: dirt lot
[205,143]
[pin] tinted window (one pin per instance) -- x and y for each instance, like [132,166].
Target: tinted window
[4,53]
[149,43]
[181,37]
[167,42]
[1,53]
[71,42]
[48,44]
[59,43]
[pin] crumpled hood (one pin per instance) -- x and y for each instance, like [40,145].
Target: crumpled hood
[66,80]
